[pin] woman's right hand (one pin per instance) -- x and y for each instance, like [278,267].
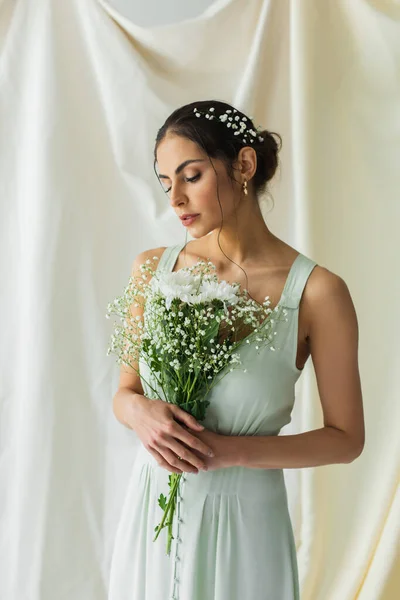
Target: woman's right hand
[156,424]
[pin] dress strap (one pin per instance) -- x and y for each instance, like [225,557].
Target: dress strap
[296,281]
[169,257]
[294,285]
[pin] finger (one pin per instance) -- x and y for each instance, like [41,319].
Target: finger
[184,452]
[162,462]
[186,418]
[193,442]
[172,459]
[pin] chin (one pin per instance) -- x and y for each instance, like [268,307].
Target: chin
[200,232]
[197,236]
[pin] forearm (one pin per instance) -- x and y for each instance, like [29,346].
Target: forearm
[323,446]
[125,403]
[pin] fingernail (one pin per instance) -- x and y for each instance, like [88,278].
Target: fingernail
[210,453]
[200,425]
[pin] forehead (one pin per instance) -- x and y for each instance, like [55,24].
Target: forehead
[174,150]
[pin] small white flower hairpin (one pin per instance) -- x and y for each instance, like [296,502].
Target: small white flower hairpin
[234,122]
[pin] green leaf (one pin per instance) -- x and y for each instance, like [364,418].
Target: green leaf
[211,332]
[162,501]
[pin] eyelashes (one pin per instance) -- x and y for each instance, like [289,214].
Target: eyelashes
[190,179]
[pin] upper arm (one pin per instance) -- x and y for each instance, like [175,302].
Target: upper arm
[129,378]
[333,338]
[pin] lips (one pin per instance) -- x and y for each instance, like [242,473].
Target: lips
[187,216]
[186,221]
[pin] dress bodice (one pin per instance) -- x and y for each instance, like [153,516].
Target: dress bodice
[257,397]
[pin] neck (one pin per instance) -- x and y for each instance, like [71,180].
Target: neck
[244,237]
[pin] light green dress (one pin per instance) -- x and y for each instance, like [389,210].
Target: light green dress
[233,535]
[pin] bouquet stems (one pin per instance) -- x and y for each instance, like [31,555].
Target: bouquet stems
[169,509]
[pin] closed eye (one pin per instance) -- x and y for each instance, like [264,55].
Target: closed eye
[191,179]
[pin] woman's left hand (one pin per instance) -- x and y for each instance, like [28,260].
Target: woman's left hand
[220,446]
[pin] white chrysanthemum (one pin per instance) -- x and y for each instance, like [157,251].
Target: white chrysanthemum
[185,286]
[221,290]
[174,285]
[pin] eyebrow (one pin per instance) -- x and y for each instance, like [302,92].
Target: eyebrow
[182,166]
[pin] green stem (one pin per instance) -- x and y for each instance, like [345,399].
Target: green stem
[169,508]
[192,386]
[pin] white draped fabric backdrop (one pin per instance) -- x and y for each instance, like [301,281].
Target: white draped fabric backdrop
[83,91]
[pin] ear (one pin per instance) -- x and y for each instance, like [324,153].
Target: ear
[247,162]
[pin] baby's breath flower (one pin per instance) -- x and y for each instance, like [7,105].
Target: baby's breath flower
[186,327]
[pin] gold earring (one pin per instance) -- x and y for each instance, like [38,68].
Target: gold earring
[245,187]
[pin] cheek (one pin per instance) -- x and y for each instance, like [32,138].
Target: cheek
[208,192]
[206,195]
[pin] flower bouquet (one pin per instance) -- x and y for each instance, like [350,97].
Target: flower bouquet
[190,326]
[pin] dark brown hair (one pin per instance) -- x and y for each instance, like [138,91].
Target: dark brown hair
[218,141]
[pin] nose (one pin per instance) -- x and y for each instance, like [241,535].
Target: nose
[176,196]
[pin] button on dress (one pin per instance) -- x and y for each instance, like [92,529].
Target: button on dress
[233,537]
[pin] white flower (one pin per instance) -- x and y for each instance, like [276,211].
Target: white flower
[185,286]
[174,285]
[221,290]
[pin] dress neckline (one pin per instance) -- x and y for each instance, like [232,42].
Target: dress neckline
[278,305]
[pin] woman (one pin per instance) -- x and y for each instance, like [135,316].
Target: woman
[234,539]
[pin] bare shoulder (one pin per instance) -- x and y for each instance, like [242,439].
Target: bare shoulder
[322,284]
[327,299]
[152,254]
